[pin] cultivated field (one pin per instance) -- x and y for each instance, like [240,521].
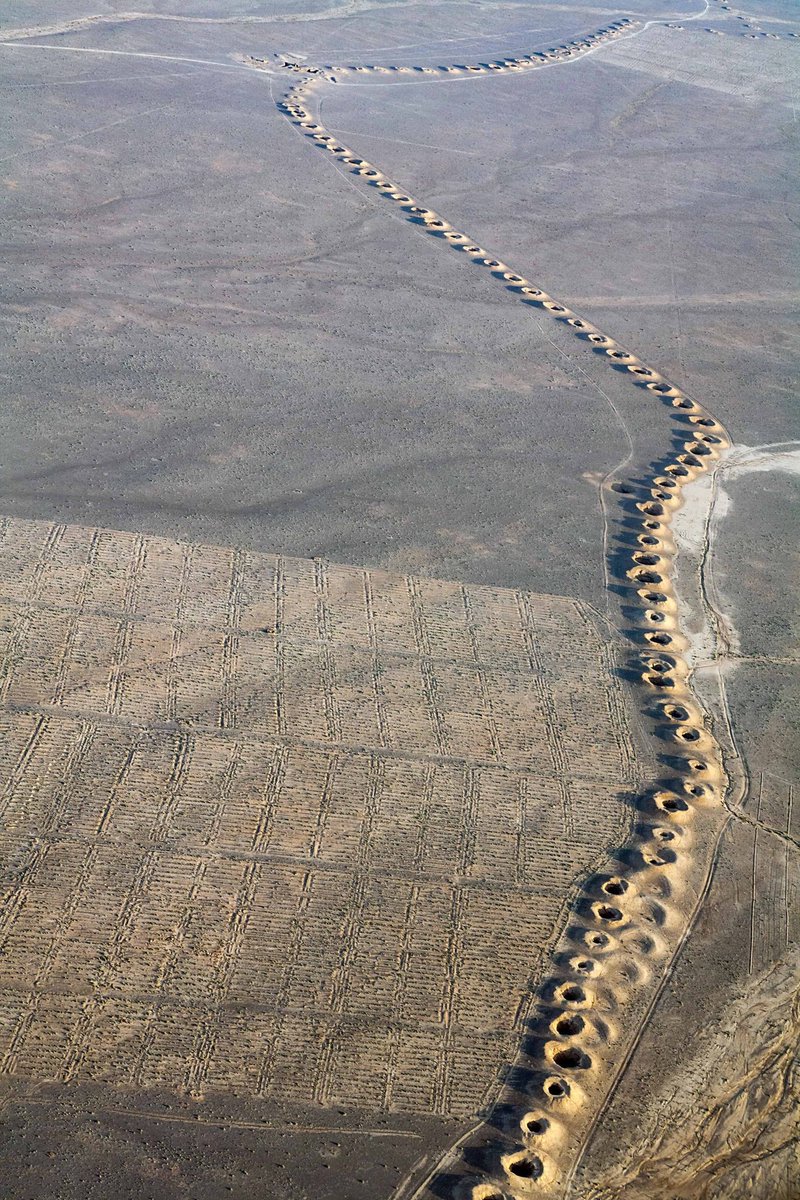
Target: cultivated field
[267,820]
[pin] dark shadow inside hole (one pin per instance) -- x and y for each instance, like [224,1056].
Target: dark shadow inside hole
[526,1168]
[570,1026]
[537,1126]
[571,1058]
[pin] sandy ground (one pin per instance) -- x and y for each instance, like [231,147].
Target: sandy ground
[221,332]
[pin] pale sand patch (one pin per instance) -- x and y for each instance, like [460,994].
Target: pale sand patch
[705,611]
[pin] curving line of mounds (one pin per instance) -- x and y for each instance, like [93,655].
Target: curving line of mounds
[625,925]
[536,58]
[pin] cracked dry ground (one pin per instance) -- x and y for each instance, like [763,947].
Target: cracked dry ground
[339,881]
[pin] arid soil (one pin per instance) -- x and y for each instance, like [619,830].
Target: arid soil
[467,871]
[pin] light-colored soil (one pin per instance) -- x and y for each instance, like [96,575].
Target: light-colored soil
[630,924]
[268,822]
[727,1129]
[280,830]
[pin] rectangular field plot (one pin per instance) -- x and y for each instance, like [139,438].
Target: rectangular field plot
[281,828]
[98,622]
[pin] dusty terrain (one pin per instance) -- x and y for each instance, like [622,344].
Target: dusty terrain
[267,820]
[468,870]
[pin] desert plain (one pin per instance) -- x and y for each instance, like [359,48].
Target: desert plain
[399,495]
